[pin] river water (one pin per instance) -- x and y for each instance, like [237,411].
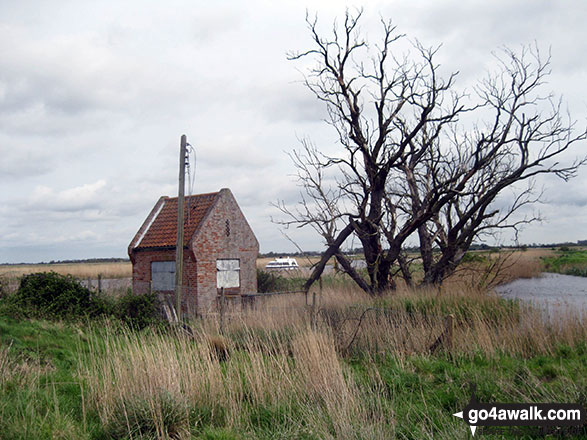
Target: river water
[552,292]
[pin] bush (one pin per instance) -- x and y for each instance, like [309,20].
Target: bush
[269,282]
[3,287]
[473,257]
[274,282]
[576,271]
[160,414]
[53,294]
[138,311]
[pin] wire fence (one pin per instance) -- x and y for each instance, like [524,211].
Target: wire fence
[226,307]
[110,286]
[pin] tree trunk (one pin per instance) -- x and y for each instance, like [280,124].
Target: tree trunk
[350,270]
[405,269]
[333,248]
[425,248]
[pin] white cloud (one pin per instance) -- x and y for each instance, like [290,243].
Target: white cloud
[94,97]
[84,197]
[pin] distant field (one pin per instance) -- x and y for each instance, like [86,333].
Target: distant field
[535,257]
[107,270]
[80,270]
[568,261]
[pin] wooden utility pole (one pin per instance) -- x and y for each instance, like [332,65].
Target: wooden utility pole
[222,311]
[180,216]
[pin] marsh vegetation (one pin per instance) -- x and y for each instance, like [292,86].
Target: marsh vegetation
[356,367]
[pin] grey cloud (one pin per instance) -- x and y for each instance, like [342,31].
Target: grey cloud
[236,153]
[102,93]
[19,160]
[572,193]
[210,25]
[470,31]
[63,84]
[297,105]
[26,90]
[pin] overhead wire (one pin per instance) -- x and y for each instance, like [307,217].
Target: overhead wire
[191,176]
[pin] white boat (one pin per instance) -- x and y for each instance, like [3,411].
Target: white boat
[283,263]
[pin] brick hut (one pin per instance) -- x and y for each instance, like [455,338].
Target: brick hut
[219,248]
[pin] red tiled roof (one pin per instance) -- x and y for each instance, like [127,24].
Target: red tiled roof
[162,232]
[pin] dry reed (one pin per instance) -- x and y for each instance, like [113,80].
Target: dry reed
[301,377]
[79,270]
[271,359]
[408,321]
[498,268]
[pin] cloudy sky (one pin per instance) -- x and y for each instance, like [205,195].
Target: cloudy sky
[95,95]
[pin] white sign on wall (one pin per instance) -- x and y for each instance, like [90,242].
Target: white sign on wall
[228,273]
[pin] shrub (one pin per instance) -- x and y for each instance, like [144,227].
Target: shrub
[156,416]
[576,271]
[50,295]
[54,294]
[471,257]
[269,282]
[138,311]
[274,282]
[3,287]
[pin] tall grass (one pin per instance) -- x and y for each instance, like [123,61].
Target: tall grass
[37,396]
[408,321]
[20,372]
[484,270]
[166,386]
[284,368]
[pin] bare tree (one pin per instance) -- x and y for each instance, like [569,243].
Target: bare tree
[405,167]
[526,137]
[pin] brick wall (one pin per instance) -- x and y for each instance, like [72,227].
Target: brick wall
[141,275]
[223,234]
[217,239]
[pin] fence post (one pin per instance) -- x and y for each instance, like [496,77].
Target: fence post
[449,324]
[99,283]
[446,337]
[222,310]
[89,283]
[314,304]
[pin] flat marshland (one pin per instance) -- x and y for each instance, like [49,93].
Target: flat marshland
[352,367]
[528,261]
[122,269]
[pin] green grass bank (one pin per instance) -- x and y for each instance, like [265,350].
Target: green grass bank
[361,369]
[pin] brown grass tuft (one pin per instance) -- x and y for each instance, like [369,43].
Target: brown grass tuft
[278,360]
[304,374]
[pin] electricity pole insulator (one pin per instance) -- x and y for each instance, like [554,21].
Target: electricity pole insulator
[180,220]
